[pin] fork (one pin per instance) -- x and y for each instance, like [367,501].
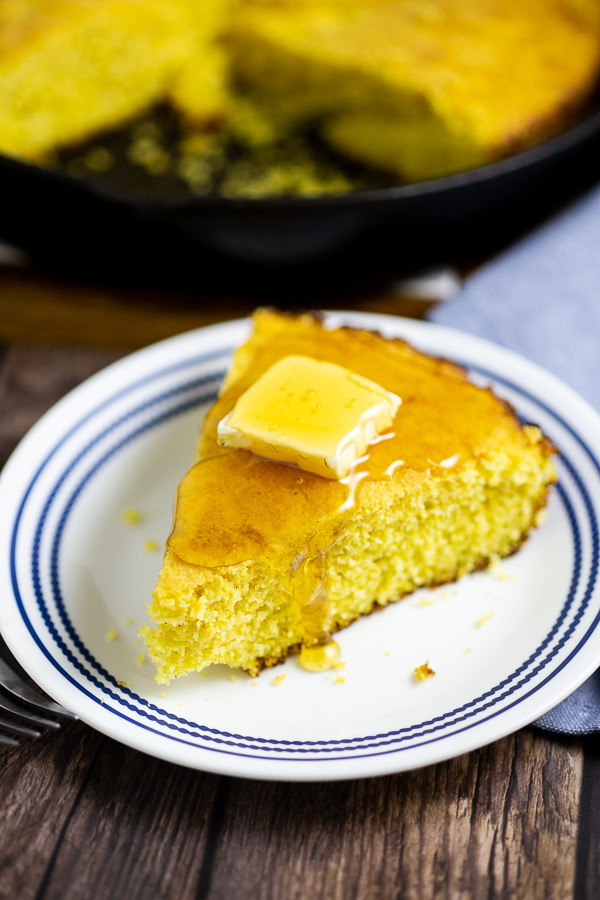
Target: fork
[11,682]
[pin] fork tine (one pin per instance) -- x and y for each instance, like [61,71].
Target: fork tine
[7,742]
[19,729]
[11,707]
[15,685]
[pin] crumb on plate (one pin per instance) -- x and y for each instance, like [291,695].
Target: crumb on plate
[423,672]
[131,516]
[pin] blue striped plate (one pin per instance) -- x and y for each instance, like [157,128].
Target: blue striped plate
[86,503]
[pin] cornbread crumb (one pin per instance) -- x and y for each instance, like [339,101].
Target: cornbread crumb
[340,680]
[128,621]
[151,546]
[124,683]
[131,516]
[424,602]
[481,621]
[147,151]
[468,650]
[340,665]
[497,570]
[140,658]
[111,635]
[233,678]
[163,696]
[279,679]
[98,160]
[423,672]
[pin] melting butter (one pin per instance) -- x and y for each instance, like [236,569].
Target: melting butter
[315,415]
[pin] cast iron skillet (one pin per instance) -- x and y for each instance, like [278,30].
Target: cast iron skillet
[265,247]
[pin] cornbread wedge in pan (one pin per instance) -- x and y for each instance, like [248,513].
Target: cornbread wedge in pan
[70,68]
[421,88]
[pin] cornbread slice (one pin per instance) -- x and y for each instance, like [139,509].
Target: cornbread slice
[69,68]
[200,88]
[421,88]
[264,557]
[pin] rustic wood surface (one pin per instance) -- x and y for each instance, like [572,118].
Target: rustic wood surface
[37,308]
[82,817]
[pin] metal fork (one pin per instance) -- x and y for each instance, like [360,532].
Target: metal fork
[12,682]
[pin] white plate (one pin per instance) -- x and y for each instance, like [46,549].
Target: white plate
[506,646]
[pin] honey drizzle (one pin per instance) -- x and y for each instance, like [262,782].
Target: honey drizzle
[320,657]
[307,579]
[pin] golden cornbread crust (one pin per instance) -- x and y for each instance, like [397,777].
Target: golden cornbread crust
[426,524]
[122,56]
[422,89]
[416,88]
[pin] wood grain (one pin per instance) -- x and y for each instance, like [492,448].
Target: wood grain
[39,784]
[498,823]
[84,817]
[138,831]
[37,309]
[587,882]
[32,379]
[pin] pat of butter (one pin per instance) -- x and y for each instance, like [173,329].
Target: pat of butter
[308,413]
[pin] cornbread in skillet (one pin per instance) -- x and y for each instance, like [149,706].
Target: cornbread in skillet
[200,88]
[69,68]
[421,88]
[264,557]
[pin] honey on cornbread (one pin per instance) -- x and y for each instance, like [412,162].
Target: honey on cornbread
[265,558]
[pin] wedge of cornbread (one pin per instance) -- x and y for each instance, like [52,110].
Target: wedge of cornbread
[200,88]
[421,88]
[265,557]
[70,68]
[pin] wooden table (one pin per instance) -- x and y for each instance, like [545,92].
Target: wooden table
[83,817]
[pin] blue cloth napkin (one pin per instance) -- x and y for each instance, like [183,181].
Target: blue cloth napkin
[541,298]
